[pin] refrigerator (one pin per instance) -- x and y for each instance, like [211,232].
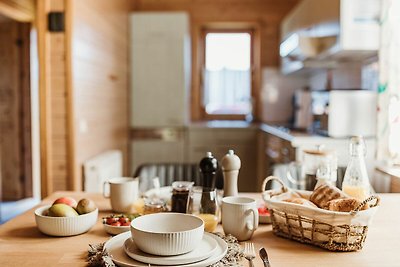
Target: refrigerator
[160,69]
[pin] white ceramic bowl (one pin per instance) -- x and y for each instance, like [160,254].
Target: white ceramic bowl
[115,230]
[64,226]
[167,234]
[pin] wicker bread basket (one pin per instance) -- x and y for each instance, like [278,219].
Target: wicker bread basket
[332,230]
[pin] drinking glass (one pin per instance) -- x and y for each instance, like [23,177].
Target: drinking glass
[203,204]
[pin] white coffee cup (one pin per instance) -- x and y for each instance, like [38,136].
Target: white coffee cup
[239,217]
[123,192]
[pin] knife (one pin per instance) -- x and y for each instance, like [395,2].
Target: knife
[264,257]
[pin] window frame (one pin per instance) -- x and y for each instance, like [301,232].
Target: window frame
[198,107]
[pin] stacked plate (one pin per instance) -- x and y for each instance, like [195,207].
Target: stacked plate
[160,239]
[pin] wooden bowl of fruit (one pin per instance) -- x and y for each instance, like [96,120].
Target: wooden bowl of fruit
[118,223]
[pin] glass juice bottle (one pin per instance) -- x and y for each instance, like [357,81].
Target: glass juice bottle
[355,181]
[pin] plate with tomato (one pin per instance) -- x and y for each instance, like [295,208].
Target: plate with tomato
[118,223]
[263,214]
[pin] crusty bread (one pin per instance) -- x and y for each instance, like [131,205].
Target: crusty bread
[301,201]
[344,205]
[325,193]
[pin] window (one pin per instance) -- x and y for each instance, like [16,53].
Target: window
[227,73]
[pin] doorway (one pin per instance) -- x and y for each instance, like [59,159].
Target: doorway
[19,126]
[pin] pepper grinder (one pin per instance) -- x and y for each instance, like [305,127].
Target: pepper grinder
[208,168]
[230,167]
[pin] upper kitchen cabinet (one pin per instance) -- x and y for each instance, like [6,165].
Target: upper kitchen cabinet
[323,33]
[160,69]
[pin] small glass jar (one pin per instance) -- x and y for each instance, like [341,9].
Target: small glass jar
[180,194]
[203,203]
[154,206]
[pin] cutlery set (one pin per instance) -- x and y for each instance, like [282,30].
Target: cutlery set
[250,254]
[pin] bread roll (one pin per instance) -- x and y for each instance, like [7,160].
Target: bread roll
[300,201]
[344,205]
[325,193]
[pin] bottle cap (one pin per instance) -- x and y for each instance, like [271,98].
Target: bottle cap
[357,146]
[231,162]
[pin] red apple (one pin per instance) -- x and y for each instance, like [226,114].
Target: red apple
[66,200]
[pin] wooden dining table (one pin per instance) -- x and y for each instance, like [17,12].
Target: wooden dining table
[21,243]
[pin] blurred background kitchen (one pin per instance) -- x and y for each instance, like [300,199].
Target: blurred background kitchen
[92,89]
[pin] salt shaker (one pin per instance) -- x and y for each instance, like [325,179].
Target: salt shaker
[230,167]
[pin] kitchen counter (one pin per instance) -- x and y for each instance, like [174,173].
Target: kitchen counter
[234,124]
[303,140]
[23,245]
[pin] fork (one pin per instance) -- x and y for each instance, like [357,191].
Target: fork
[249,253]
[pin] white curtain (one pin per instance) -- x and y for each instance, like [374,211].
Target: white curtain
[388,136]
[227,88]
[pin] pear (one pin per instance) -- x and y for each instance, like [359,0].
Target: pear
[85,206]
[62,210]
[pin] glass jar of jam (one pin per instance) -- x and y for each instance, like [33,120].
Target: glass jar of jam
[180,195]
[154,206]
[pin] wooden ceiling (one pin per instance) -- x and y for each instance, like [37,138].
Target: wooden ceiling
[19,10]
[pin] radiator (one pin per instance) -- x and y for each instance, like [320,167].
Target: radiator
[100,168]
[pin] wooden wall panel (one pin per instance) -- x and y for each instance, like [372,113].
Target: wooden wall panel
[54,138]
[58,105]
[19,10]
[15,130]
[99,62]
[9,109]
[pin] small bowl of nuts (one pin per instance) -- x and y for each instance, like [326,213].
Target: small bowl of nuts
[115,224]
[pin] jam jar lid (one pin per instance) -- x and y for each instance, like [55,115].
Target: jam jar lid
[182,185]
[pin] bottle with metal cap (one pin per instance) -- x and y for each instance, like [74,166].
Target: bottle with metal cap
[355,181]
[230,166]
[208,168]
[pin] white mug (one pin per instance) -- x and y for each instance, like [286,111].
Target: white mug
[123,192]
[239,217]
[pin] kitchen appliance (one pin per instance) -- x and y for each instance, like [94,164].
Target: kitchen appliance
[344,113]
[305,172]
[321,33]
[302,115]
[160,82]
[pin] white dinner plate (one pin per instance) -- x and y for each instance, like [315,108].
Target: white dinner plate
[115,247]
[205,249]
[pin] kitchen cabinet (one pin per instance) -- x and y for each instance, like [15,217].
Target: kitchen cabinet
[160,69]
[160,83]
[386,179]
[218,141]
[273,150]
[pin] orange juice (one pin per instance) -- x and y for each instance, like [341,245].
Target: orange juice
[358,192]
[210,221]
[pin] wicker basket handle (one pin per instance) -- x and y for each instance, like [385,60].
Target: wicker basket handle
[371,198]
[274,178]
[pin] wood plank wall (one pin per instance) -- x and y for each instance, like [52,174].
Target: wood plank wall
[54,138]
[266,14]
[15,146]
[58,105]
[19,10]
[99,80]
